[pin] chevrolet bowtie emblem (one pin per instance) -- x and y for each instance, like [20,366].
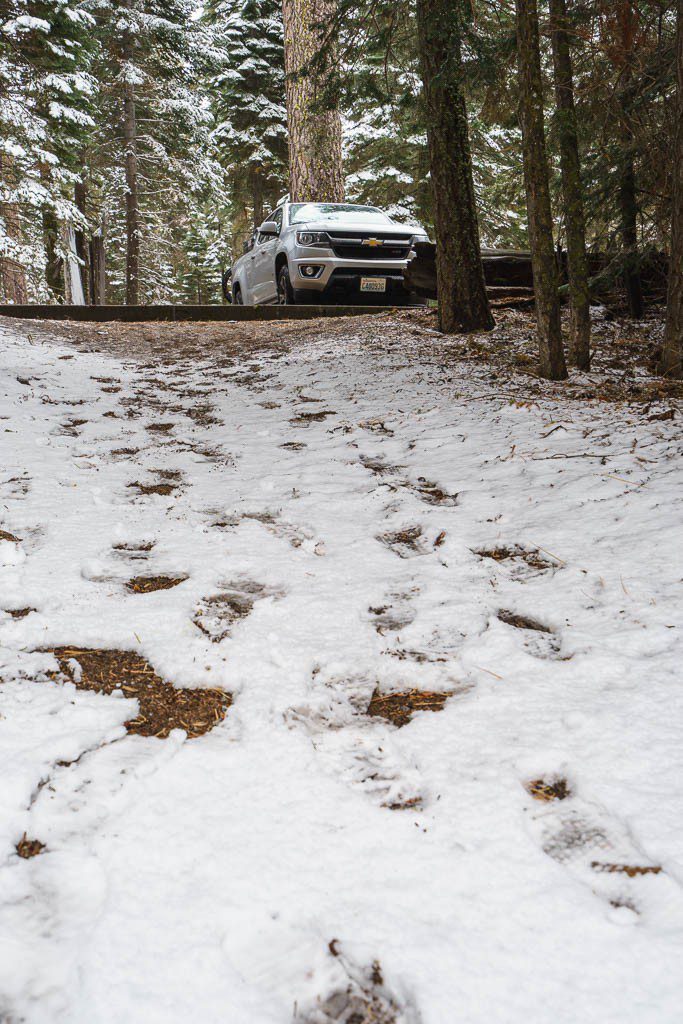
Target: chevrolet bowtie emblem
[372,241]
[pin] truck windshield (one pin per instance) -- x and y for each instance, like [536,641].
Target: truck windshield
[299,213]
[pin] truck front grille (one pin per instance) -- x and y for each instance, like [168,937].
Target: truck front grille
[352,247]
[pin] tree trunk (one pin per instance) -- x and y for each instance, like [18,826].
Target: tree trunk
[52,234]
[572,191]
[628,200]
[82,248]
[12,272]
[256,179]
[463,304]
[315,152]
[672,355]
[98,275]
[551,352]
[131,162]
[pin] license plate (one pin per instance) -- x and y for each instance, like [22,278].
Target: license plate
[373,284]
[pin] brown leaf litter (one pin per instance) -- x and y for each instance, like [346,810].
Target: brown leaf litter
[149,584]
[547,790]
[632,870]
[399,708]
[4,535]
[163,489]
[303,419]
[405,542]
[163,707]
[503,553]
[27,848]
[18,613]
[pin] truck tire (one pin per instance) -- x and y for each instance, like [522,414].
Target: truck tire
[285,292]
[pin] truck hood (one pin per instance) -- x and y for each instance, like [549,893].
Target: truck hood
[376,226]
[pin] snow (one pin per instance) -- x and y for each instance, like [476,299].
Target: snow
[207,878]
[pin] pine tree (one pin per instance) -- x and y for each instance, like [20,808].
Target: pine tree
[463,304]
[672,355]
[149,158]
[47,92]
[247,92]
[313,118]
[552,364]
[572,188]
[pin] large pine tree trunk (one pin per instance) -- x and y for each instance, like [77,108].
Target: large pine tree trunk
[577,259]
[12,273]
[131,164]
[672,355]
[463,304]
[551,352]
[315,151]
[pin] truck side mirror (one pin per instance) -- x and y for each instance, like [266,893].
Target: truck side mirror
[269,227]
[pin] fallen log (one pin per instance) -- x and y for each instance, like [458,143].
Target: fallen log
[511,268]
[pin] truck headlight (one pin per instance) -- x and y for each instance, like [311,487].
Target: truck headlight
[312,238]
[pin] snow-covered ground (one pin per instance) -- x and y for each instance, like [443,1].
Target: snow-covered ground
[253,874]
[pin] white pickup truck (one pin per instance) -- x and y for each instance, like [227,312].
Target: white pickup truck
[326,252]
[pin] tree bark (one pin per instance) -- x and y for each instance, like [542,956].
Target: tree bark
[539,214]
[98,272]
[672,354]
[314,127]
[572,190]
[256,180]
[463,305]
[131,165]
[82,248]
[12,273]
[52,234]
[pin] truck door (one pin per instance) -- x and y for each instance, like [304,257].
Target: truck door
[262,270]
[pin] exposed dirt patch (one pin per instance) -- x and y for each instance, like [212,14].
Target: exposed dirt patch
[293,446]
[149,584]
[124,451]
[27,848]
[503,553]
[378,466]
[522,621]
[363,1000]
[163,707]
[215,616]
[4,535]
[432,494]
[160,428]
[18,613]
[304,419]
[135,548]
[399,708]
[164,488]
[406,542]
[547,790]
[632,870]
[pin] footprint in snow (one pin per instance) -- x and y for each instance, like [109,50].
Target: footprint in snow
[521,563]
[356,994]
[593,845]
[216,615]
[539,640]
[352,725]
[406,543]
